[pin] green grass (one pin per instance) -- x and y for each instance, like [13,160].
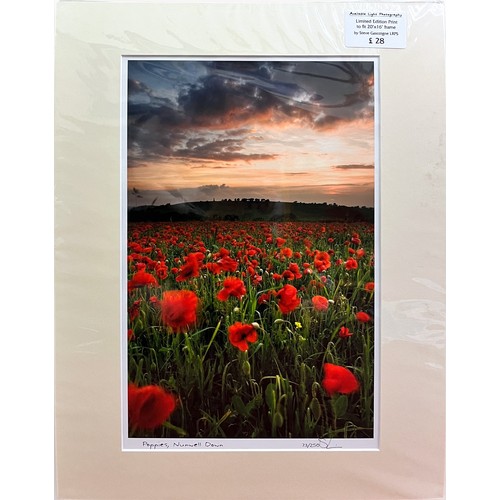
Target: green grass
[274,389]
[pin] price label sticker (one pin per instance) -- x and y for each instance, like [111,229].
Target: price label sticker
[375,29]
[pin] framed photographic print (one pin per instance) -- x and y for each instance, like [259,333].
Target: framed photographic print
[249,249]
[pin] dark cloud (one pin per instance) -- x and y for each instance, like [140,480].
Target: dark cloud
[207,110]
[213,166]
[236,132]
[327,122]
[213,189]
[153,132]
[137,164]
[136,87]
[223,101]
[222,150]
[354,167]
[353,80]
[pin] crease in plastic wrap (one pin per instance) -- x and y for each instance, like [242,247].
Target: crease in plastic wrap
[250,250]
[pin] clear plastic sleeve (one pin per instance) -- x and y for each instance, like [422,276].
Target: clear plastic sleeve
[292,58]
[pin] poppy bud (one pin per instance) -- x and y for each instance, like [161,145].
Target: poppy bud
[278,419]
[246,368]
[314,388]
[315,408]
[302,371]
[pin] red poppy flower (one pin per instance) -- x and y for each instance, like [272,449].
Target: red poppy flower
[213,267]
[339,380]
[280,241]
[241,334]
[228,264]
[288,300]
[351,264]
[286,252]
[370,286]
[135,247]
[322,261]
[233,287]
[130,334]
[149,406]
[344,332]
[178,309]
[191,269]
[362,317]
[161,270]
[154,301]
[320,303]
[223,252]
[355,239]
[256,280]
[142,278]
[134,310]
[316,284]
[264,298]
[294,268]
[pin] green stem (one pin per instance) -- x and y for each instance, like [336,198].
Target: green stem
[211,340]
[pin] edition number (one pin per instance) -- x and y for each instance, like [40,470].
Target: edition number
[379,41]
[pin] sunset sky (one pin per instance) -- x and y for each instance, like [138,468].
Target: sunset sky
[284,131]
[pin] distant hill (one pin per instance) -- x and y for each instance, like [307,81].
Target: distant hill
[251,210]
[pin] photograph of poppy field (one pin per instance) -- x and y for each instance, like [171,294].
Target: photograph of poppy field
[250,249]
